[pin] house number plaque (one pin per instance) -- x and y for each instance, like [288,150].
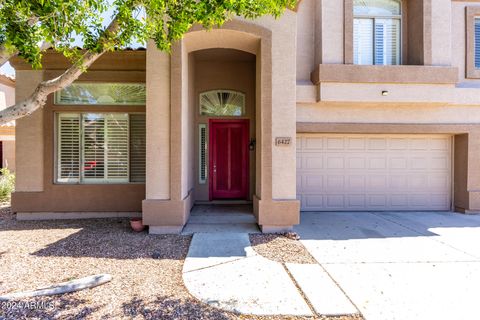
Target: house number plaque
[283,141]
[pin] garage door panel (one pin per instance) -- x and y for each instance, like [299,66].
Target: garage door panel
[312,144]
[398,144]
[377,143]
[313,162]
[314,181]
[356,143]
[356,183]
[335,143]
[356,162]
[398,163]
[335,201]
[374,172]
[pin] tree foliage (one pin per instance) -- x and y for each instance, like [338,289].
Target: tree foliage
[64,24]
[28,27]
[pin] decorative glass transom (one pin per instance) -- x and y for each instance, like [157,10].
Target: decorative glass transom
[102,94]
[377,7]
[222,103]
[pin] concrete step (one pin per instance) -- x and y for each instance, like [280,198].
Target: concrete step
[191,228]
[228,218]
[221,210]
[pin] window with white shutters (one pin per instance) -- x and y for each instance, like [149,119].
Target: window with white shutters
[68,169]
[477,43]
[138,147]
[100,148]
[377,32]
[117,146]
[93,148]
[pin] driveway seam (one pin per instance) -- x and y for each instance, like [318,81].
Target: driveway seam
[425,235]
[331,278]
[216,265]
[304,296]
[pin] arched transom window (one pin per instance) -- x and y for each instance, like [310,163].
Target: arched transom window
[377,31]
[222,103]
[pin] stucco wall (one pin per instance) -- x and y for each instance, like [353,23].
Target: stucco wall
[306,40]
[458,39]
[9,155]
[7,96]
[36,189]
[158,123]
[341,112]
[29,138]
[441,11]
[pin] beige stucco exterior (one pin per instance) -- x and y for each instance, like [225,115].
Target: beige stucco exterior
[7,131]
[298,77]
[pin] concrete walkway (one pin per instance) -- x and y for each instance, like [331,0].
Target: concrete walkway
[222,270]
[221,218]
[408,265]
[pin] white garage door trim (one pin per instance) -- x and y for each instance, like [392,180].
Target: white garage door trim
[373,172]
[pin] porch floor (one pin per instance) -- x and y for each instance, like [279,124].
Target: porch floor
[221,218]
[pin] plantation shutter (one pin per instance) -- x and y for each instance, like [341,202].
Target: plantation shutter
[477,43]
[363,41]
[93,147]
[105,148]
[138,148]
[387,42]
[68,168]
[117,148]
[202,179]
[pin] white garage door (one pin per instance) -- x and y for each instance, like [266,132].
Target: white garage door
[373,172]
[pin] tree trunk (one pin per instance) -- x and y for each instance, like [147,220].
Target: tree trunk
[39,96]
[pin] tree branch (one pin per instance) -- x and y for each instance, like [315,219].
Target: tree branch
[38,98]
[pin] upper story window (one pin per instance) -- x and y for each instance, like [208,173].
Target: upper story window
[377,32]
[222,103]
[84,93]
[477,43]
[473,42]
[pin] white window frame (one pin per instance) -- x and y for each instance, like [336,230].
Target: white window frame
[379,17]
[81,180]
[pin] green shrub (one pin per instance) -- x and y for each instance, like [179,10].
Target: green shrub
[7,184]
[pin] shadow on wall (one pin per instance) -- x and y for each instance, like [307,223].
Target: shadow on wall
[378,225]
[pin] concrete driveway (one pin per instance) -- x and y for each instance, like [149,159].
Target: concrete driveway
[418,265]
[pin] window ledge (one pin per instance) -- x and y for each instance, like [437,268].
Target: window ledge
[349,73]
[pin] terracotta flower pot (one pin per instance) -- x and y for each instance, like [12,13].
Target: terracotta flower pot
[137,224]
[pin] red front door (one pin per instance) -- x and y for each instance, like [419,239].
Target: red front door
[228,156]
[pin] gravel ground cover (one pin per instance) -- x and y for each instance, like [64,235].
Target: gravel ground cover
[281,248]
[146,269]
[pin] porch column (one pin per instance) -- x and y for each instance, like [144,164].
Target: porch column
[473,172]
[165,208]
[275,203]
